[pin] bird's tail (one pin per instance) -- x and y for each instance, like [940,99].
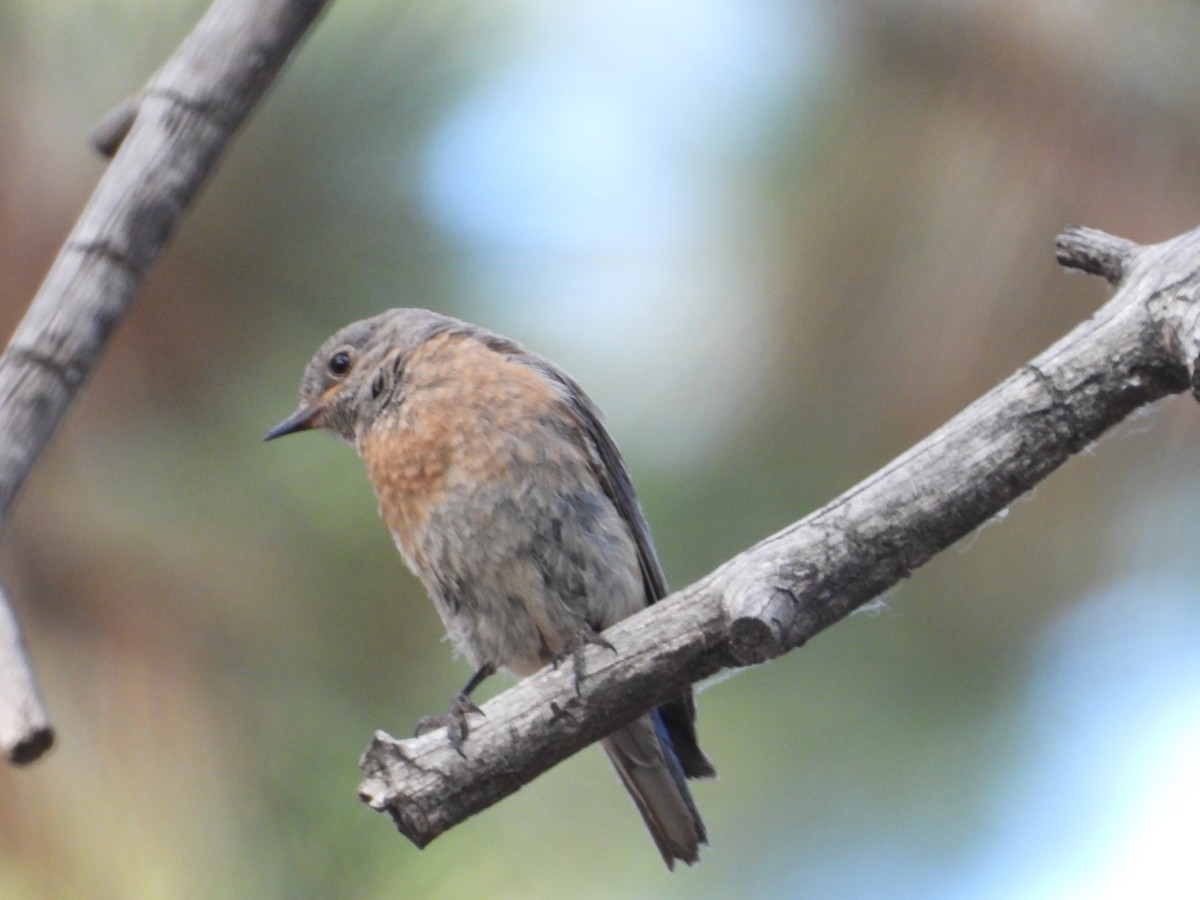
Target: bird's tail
[642,755]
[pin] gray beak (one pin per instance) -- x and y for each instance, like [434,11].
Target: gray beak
[301,420]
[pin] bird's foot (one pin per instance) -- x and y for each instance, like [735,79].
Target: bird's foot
[454,720]
[573,647]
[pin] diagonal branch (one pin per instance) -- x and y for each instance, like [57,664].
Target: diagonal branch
[170,139]
[1140,346]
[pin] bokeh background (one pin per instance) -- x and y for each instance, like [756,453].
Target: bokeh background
[779,242]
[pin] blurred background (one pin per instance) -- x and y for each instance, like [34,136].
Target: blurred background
[778,242]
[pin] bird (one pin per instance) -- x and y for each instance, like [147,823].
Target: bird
[510,502]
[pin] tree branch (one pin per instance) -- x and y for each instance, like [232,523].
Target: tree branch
[1094,252]
[1140,346]
[170,138]
[25,732]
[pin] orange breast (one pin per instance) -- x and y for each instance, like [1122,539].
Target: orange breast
[462,406]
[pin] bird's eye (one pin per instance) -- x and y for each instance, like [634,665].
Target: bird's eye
[339,363]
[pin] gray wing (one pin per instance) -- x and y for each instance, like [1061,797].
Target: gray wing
[679,714]
[611,471]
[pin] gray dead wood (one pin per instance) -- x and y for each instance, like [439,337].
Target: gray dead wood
[25,732]
[170,138]
[1140,346]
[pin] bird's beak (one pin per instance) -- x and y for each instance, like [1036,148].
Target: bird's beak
[304,418]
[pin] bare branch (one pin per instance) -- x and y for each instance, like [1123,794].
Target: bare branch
[1094,252]
[173,135]
[1139,347]
[25,731]
[186,117]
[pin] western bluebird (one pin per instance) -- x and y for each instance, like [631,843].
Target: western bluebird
[509,500]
